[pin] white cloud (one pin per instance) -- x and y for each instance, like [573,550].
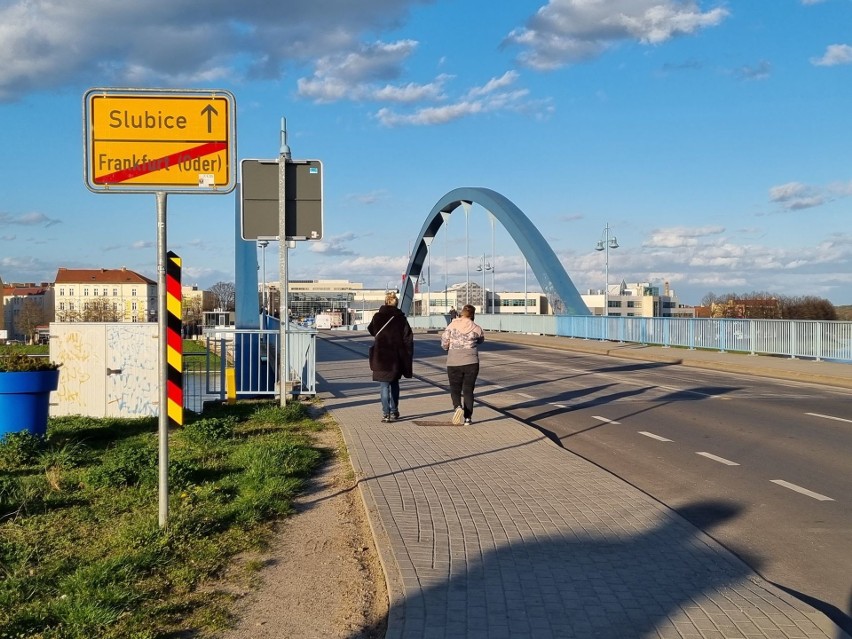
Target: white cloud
[494,95]
[834,54]
[333,245]
[759,71]
[795,196]
[363,74]
[45,44]
[568,31]
[680,237]
[27,219]
[494,84]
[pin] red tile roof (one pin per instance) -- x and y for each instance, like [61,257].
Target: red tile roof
[100,276]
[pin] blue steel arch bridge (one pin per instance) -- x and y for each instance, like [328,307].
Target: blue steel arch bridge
[563,296]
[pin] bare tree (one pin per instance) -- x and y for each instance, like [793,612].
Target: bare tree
[193,314]
[225,295]
[30,317]
[100,310]
[809,308]
[762,305]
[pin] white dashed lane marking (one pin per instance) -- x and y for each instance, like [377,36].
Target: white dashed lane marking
[653,436]
[799,489]
[604,419]
[721,460]
[837,419]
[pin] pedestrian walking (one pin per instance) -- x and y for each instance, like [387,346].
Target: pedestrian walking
[392,353]
[461,340]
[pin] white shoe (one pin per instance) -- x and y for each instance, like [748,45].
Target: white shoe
[458,415]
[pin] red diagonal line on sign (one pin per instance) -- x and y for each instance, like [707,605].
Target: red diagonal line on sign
[159,164]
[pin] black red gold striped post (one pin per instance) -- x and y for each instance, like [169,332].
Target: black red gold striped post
[174,340]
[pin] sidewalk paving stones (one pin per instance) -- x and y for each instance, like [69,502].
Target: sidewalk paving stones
[493,531]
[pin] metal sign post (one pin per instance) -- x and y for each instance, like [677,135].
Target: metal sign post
[163,424]
[283,315]
[281,200]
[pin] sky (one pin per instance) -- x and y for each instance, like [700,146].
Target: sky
[710,138]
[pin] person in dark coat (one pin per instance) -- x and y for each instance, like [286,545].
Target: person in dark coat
[392,353]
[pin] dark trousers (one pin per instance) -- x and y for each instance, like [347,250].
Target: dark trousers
[462,380]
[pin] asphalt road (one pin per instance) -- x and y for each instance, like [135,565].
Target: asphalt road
[776,453]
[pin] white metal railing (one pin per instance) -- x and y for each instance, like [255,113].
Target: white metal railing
[812,339]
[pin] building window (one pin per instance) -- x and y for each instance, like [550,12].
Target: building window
[631,304]
[61,306]
[95,291]
[115,292]
[62,291]
[71,292]
[133,308]
[105,291]
[133,292]
[86,292]
[70,306]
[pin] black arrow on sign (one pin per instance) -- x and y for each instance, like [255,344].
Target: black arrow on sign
[210,111]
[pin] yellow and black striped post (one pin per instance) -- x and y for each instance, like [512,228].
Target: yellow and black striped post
[174,340]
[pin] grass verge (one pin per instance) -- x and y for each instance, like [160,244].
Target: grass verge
[81,552]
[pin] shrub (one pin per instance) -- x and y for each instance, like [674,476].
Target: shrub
[130,464]
[15,361]
[292,412]
[19,449]
[210,430]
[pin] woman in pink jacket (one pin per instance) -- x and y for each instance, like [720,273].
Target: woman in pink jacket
[461,340]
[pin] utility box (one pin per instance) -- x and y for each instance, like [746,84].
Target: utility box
[259,186]
[108,369]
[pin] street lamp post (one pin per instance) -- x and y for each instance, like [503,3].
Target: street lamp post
[263,244]
[604,244]
[483,267]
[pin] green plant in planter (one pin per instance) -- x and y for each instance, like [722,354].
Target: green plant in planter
[19,362]
[25,386]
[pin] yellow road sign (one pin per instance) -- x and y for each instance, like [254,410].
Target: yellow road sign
[160,140]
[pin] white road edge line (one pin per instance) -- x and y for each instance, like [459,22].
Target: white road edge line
[653,436]
[604,419]
[801,490]
[525,395]
[837,419]
[721,460]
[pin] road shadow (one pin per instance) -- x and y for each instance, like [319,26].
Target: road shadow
[583,586]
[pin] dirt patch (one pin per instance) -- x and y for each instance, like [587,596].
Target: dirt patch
[321,574]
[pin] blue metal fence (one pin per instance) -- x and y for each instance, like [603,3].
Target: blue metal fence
[819,340]
[254,355]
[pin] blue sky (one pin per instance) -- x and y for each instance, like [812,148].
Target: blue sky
[711,136]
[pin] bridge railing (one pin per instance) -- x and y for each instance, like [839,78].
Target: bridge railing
[810,339]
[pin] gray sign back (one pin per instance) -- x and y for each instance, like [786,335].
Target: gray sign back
[259,199]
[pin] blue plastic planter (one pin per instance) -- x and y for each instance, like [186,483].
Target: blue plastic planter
[25,401]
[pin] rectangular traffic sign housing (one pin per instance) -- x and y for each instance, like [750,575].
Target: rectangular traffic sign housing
[303,184]
[149,140]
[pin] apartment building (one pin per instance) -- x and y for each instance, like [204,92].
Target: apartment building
[104,295]
[27,310]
